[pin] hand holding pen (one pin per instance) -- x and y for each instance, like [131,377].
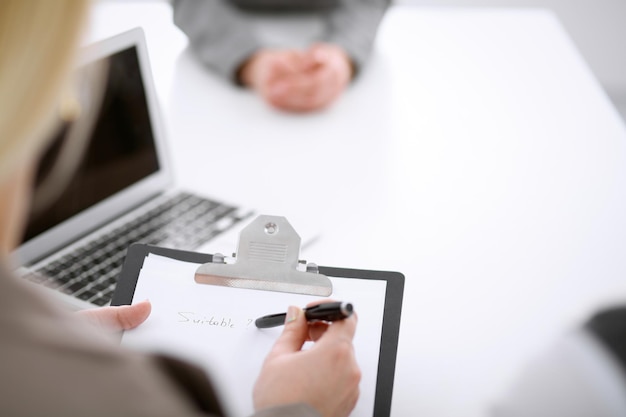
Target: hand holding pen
[326,376]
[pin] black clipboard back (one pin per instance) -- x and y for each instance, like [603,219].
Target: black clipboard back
[137,253]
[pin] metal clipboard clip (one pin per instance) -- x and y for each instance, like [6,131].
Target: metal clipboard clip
[266,259]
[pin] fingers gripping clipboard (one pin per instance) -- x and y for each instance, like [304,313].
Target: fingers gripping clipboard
[203,307]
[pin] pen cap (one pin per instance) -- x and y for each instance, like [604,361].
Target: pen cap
[329,311]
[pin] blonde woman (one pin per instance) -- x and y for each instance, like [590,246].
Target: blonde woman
[53,362]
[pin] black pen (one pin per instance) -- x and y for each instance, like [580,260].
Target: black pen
[322,312]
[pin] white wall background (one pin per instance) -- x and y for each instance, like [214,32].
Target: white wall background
[598,27]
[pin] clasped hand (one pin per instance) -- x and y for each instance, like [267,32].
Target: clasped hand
[298,81]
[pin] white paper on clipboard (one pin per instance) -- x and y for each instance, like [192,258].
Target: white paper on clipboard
[213,327]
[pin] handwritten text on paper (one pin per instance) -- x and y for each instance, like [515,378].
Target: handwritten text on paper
[192,318]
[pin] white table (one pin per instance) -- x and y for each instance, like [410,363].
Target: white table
[477,154]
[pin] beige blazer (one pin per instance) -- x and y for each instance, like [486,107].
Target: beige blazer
[53,363]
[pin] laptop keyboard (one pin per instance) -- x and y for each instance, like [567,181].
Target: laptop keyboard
[90,273]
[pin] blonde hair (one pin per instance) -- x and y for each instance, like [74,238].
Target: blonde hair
[38,41]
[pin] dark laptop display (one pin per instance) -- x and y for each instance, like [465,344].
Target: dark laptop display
[121,149]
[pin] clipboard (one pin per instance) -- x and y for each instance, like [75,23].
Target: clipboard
[392,282]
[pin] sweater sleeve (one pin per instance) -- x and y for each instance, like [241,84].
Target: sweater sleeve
[353,25]
[218,32]
[290,410]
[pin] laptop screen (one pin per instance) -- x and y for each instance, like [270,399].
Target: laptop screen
[121,151]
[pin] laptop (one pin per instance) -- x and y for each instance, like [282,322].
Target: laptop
[122,192]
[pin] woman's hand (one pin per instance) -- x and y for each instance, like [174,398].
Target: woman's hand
[326,376]
[299,81]
[115,319]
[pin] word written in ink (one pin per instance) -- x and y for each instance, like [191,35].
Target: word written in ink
[216,321]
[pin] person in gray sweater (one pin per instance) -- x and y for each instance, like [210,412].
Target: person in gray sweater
[299,55]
